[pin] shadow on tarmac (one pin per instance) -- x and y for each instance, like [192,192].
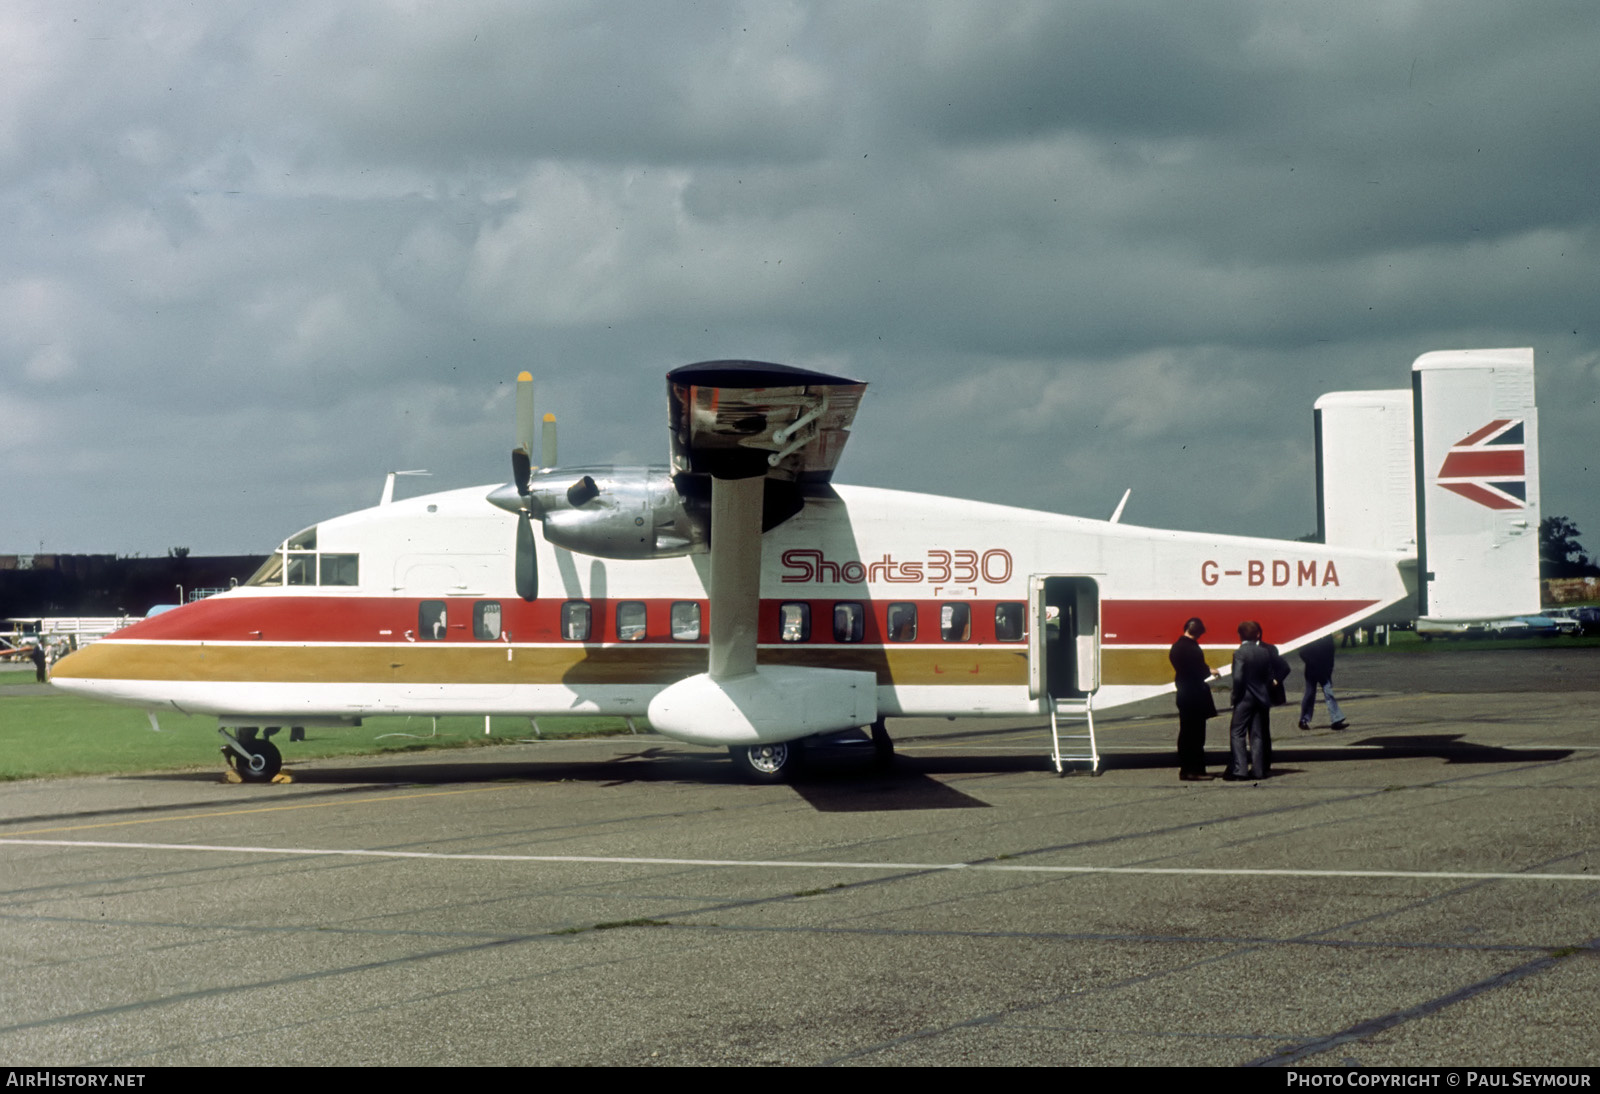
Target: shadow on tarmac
[844,783]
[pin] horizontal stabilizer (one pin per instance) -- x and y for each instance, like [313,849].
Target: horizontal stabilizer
[1366,496]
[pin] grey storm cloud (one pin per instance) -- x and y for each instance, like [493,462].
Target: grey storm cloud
[257,255]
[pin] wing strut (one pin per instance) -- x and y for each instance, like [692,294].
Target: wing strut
[739,423]
[735,574]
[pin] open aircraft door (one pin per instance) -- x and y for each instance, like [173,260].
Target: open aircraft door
[1064,662]
[1064,639]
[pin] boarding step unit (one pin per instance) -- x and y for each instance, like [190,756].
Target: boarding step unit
[1081,747]
[1064,662]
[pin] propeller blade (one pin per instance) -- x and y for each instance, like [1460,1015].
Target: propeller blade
[527,560]
[521,470]
[527,421]
[549,438]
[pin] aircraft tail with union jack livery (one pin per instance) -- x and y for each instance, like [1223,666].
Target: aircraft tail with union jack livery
[1456,457]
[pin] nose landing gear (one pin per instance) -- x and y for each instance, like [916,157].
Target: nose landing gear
[250,759]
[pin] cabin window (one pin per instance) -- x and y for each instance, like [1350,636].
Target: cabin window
[305,540]
[685,621]
[630,620]
[486,620]
[575,616]
[302,568]
[338,570]
[1008,622]
[794,622]
[955,622]
[430,620]
[902,622]
[849,621]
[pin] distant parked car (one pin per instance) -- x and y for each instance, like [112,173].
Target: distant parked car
[1429,629]
[1585,620]
[1524,626]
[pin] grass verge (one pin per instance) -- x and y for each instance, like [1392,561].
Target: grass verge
[60,734]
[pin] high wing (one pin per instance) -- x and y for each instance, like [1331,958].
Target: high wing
[757,438]
[736,419]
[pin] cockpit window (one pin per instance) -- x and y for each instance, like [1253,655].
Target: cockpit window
[338,570]
[296,562]
[270,572]
[302,568]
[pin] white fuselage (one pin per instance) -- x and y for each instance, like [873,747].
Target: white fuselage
[932,595]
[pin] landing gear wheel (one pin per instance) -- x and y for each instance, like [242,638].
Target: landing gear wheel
[882,746]
[767,763]
[263,765]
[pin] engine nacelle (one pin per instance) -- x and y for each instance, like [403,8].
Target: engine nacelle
[609,512]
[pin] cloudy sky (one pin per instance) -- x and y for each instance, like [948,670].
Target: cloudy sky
[254,256]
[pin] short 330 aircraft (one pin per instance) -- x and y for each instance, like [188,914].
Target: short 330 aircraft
[739,598]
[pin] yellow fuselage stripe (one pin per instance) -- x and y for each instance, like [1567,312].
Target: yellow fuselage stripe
[493,664]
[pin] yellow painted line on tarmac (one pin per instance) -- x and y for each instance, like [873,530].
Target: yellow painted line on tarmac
[259,809]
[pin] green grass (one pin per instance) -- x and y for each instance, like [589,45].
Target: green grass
[61,734]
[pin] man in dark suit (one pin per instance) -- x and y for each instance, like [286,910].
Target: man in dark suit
[1192,676]
[1318,657]
[1256,668]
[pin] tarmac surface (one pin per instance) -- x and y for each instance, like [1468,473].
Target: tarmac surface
[1421,889]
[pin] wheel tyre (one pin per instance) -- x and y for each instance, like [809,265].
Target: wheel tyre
[882,747]
[771,763]
[264,764]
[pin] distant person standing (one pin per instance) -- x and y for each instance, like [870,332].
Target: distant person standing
[1318,657]
[1192,677]
[1256,669]
[41,664]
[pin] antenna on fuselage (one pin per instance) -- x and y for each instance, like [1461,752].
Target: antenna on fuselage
[388,484]
[1117,513]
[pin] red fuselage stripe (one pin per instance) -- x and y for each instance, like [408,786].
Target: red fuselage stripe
[368,620]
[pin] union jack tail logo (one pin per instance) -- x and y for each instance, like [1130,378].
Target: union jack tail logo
[1487,466]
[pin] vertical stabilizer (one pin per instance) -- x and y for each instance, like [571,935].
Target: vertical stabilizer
[1366,495]
[1477,474]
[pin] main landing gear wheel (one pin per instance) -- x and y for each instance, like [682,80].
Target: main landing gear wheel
[263,764]
[767,763]
[882,746]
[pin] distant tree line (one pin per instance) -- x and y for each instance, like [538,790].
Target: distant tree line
[96,585]
[1560,553]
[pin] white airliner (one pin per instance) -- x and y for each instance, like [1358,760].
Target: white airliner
[737,597]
